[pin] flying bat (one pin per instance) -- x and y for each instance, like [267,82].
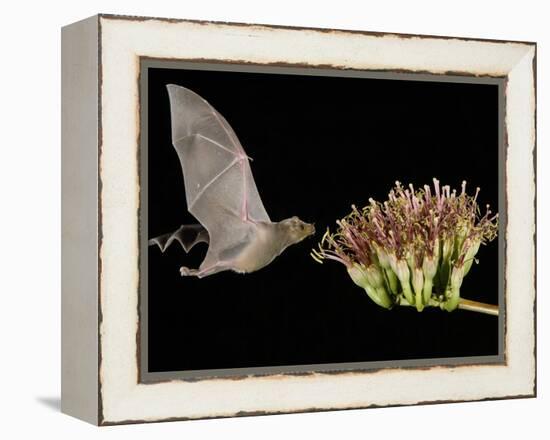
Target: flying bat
[221,194]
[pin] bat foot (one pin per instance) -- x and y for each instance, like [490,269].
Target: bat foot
[186,272]
[204,272]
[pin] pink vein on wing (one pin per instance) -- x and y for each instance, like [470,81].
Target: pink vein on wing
[217,144]
[241,154]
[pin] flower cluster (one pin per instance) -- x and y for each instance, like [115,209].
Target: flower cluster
[413,249]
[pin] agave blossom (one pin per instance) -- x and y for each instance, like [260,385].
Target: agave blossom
[413,249]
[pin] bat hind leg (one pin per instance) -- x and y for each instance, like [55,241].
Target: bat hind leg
[201,273]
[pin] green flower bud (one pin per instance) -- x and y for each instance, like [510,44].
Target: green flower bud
[383,257]
[457,275]
[393,284]
[447,249]
[460,236]
[470,256]
[401,269]
[360,276]
[429,268]
[445,263]
[437,249]
[374,276]
[418,285]
[453,291]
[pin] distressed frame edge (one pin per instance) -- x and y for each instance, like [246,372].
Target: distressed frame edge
[124,17]
[247,413]
[535,208]
[531,56]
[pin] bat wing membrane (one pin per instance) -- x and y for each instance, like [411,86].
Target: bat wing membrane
[219,186]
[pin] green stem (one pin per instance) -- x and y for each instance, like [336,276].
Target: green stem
[464,304]
[475,306]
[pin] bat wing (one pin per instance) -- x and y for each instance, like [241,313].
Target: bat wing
[219,185]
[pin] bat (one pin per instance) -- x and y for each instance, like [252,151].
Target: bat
[221,194]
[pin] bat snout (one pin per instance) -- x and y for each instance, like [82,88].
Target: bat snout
[298,229]
[310,228]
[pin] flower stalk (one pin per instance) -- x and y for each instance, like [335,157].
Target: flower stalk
[415,248]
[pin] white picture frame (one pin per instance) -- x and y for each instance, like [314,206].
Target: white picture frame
[101,196]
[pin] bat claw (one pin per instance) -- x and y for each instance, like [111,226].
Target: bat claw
[185,271]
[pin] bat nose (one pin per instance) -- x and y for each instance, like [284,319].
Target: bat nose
[311,228]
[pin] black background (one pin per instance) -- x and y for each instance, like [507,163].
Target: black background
[318,145]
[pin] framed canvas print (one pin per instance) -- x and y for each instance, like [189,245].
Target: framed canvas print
[262,220]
